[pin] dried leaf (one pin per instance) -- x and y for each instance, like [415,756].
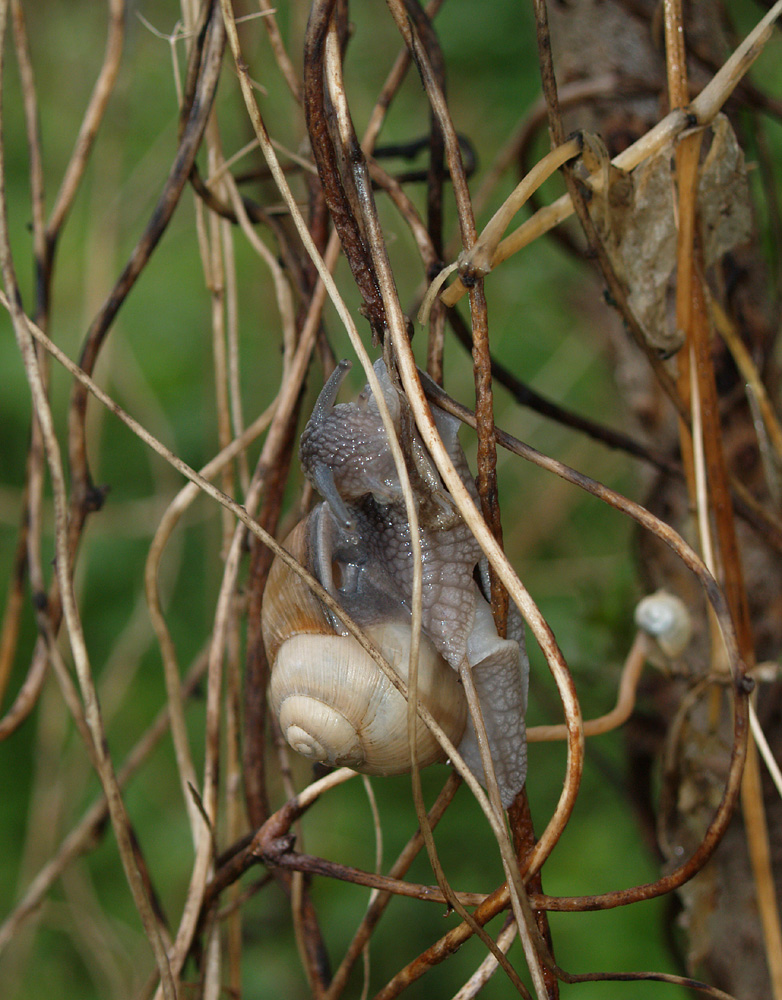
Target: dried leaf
[637,222]
[640,236]
[723,194]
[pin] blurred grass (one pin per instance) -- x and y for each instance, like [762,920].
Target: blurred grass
[574,554]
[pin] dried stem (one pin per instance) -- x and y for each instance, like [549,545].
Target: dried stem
[84,497]
[708,479]
[78,647]
[91,826]
[240,783]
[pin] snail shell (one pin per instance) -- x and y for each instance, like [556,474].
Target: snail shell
[333,702]
[665,618]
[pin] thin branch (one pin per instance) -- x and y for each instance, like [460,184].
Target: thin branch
[86,833]
[105,767]
[379,904]
[527,396]
[102,91]
[84,497]
[622,710]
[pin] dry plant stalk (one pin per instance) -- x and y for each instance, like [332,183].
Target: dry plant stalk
[243,802]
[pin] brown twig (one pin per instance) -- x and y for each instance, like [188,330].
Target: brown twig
[28,556]
[397,328]
[378,905]
[709,489]
[453,940]
[279,855]
[527,396]
[88,831]
[84,497]
[487,458]
[284,62]
[487,454]
[325,156]
[130,860]
[741,685]
[9,632]
[622,710]
[104,86]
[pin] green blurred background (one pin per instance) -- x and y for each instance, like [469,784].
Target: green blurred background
[575,555]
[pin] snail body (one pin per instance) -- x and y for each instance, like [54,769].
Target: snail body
[333,702]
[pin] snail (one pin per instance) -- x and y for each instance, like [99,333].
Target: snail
[665,618]
[332,701]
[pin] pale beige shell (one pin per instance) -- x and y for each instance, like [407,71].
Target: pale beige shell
[333,702]
[665,617]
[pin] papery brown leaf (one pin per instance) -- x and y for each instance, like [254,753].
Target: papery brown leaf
[637,223]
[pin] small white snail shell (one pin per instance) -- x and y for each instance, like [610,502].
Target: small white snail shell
[666,619]
[333,702]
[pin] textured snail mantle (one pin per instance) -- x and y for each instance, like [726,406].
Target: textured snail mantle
[333,702]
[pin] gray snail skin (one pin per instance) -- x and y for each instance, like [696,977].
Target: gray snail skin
[333,703]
